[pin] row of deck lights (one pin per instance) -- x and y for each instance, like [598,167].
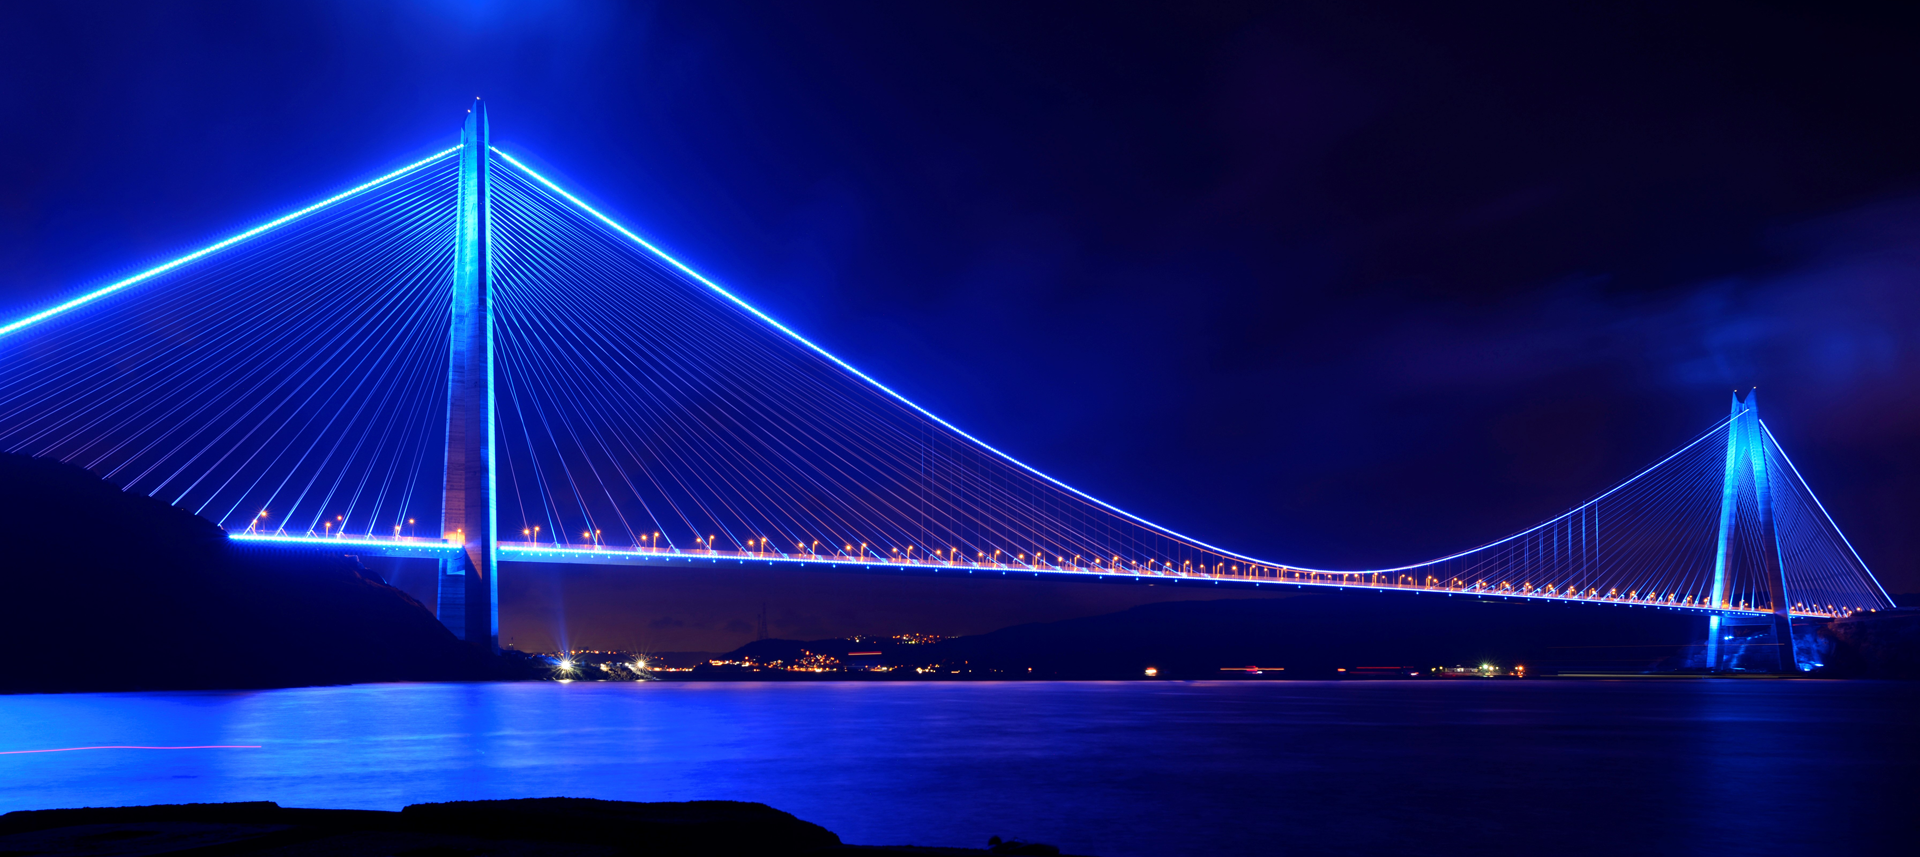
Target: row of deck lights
[258,526]
[1113,564]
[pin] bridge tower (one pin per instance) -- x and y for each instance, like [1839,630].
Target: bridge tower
[469,587]
[1748,468]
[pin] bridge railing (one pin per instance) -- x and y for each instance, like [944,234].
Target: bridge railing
[1242,573]
[422,545]
[522,549]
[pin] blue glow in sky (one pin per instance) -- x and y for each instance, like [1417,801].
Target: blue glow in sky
[1287,277]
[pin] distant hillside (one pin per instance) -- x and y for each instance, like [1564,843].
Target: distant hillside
[1875,644]
[105,590]
[1309,635]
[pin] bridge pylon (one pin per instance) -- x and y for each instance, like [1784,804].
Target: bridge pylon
[468,601]
[1749,477]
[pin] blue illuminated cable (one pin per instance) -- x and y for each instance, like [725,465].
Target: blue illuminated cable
[511,484]
[574,399]
[410,382]
[1817,568]
[419,417]
[509,410]
[584,350]
[430,406]
[580,346]
[189,367]
[842,364]
[510,322]
[417,253]
[610,223]
[1686,498]
[425,254]
[333,370]
[550,383]
[547,421]
[569,340]
[1889,602]
[724,422]
[217,246]
[149,400]
[507,380]
[519,396]
[548,413]
[1814,566]
[565,380]
[348,322]
[525,399]
[371,366]
[99,348]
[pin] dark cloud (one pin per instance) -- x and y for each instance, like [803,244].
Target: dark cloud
[1836,323]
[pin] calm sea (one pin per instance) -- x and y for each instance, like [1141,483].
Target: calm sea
[1682,767]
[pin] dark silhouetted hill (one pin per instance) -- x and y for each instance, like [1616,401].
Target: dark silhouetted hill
[105,590]
[1321,633]
[1309,635]
[1878,644]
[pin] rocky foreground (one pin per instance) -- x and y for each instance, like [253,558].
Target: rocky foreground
[539,826]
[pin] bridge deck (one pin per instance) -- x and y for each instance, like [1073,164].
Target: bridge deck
[1258,575]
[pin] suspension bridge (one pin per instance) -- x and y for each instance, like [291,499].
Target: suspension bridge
[461,360]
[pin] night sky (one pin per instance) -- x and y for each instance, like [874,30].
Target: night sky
[1336,284]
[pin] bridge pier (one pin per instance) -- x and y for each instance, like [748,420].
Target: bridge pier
[469,588]
[451,598]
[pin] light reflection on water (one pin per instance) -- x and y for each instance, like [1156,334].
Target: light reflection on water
[1111,769]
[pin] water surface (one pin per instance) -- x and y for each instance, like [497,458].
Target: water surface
[1135,768]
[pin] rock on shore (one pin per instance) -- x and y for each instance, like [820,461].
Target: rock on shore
[544,826]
